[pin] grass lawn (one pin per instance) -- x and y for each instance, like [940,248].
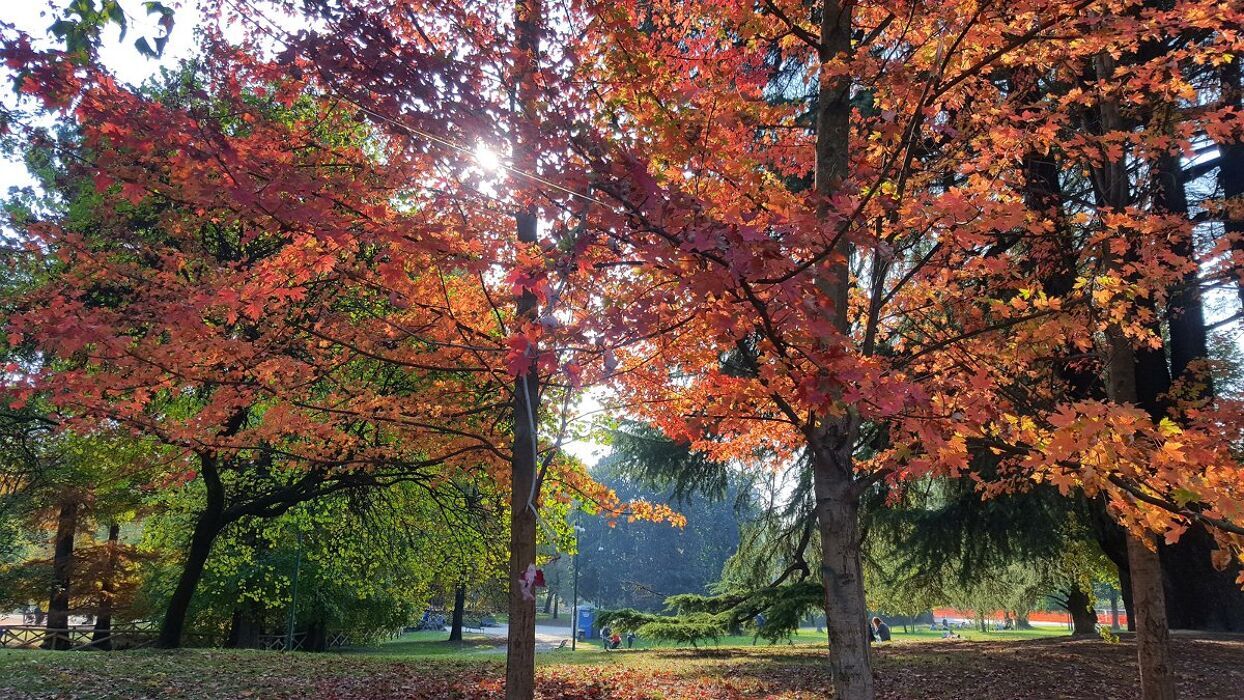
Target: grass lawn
[430,644]
[808,636]
[420,668]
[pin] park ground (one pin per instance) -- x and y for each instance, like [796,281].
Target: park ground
[421,666]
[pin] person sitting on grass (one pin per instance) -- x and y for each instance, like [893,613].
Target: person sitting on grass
[881,631]
[615,642]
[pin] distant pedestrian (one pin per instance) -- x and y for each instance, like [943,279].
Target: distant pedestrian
[630,639]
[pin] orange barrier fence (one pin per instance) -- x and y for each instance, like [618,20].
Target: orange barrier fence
[1103,616]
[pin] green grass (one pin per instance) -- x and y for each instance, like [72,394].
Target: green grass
[808,636]
[430,644]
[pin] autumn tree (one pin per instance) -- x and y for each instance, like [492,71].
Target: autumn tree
[895,314]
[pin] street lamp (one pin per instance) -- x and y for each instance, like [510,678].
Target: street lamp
[574,609]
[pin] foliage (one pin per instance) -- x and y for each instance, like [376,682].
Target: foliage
[918,671]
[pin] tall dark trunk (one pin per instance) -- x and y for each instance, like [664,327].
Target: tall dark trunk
[548,603]
[206,529]
[317,636]
[520,660]
[1199,596]
[1080,605]
[1186,309]
[1114,610]
[245,626]
[1231,170]
[62,575]
[1157,680]
[101,636]
[557,604]
[455,628]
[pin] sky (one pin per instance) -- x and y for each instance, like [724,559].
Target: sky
[35,16]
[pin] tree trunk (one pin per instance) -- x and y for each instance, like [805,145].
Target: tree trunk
[520,660]
[455,628]
[842,576]
[1114,610]
[548,603]
[62,575]
[206,529]
[245,626]
[832,442]
[101,636]
[1157,675]
[317,636]
[1152,639]
[1083,617]
[557,604]
[1021,620]
[1199,596]
[1231,170]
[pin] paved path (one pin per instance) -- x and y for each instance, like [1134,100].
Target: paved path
[547,636]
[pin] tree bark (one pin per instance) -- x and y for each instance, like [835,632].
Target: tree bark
[101,636]
[1157,680]
[832,442]
[1231,170]
[837,513]
[62,575]
[206,529]
[520,665]
[1199,596]
[455,627]
[1083,617]
[1157,675]
[245,626]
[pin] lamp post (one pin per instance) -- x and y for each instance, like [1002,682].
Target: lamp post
[574,609]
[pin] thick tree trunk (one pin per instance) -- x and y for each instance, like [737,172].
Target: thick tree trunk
[206,529]
[1198,596]
[548,603]
[101,636]
[62,575]
[837,515]
[1157,675]
[1157,680]
[455,627]
[520,666]
[317,637]
[245,627]
[1083,617]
